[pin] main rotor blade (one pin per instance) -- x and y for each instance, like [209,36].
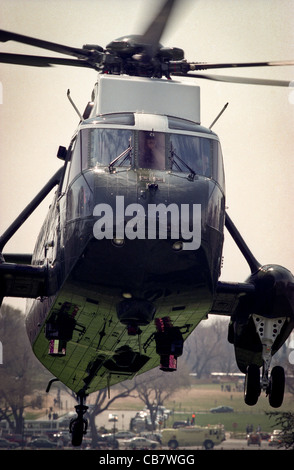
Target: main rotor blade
[243,80]
[51,46]
[152,35]
[203,66]
[40,61]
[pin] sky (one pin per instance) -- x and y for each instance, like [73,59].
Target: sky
[256,130]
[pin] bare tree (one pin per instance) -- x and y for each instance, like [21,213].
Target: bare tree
[207,348]
[103,402]
[19,371]
[226,360]
[155,387]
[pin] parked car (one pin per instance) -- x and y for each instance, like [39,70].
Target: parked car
[18,438]
[123,435]
[108,440]
[275,438]
[153,436]
[42,443]
[254,438]
[62,438]
[141,443]
[265,436]
[5,444]
[222,409]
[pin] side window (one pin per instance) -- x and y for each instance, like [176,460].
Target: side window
[65,180]
[217,164]
[85,148]
[75,165]
[206,157]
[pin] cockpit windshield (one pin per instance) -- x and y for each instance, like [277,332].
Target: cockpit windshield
[190,152]
[173,152]
[101,146]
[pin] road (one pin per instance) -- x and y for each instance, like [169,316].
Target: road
[241,444]
[124,418]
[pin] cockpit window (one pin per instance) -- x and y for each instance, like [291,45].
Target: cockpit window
[177,153]
[101,146]
[151,150]
[190,152]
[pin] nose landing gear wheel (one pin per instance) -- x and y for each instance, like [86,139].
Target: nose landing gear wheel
[78,427]
[252,386]
[276,387]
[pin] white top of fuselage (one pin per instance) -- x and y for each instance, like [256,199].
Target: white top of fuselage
[122,93]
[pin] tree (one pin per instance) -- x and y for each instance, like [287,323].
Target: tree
[19,371]
[103,402]
[285,422]
[207,349]
[155,387]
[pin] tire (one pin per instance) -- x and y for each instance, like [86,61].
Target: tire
[252,387]
[208,444]
[277,387]
[115,444]
[77,433]
[173,444]
[77,429]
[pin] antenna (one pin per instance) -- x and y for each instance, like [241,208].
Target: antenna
[219,115]
[74,106]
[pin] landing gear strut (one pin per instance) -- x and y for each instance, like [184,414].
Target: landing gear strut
[79,425]
[274,385]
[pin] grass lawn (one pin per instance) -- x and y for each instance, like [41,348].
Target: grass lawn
[233,422]
[201,397]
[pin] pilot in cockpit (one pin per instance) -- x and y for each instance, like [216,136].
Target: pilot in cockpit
[151,152]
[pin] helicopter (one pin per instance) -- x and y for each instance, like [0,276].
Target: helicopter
[127,263]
